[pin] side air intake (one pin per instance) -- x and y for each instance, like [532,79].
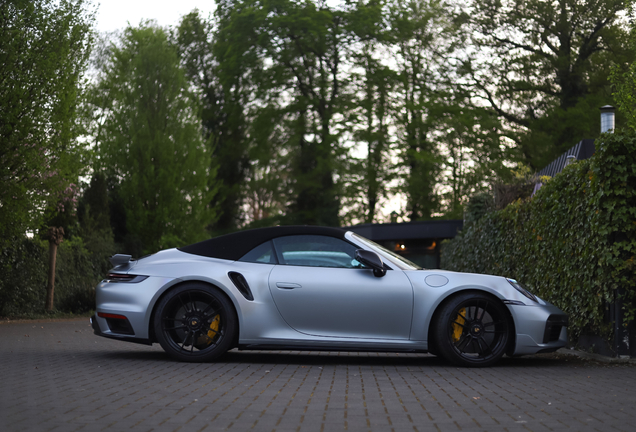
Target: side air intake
[241,284]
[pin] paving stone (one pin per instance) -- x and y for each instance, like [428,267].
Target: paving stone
[60,377]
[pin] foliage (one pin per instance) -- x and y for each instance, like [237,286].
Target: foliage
[613,175]
[473,148]
[93,208]
[574,242]
[365,181]
[319,113]
[149,139]
[287,87]
[543,67]
[422,36]
[477,207]
[44,46]
[623,79]
[307,44]
[23,285]
[219,63]
[520,185]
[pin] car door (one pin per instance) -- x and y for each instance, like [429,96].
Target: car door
[320,289]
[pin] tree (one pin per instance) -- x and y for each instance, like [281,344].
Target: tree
[96,225]
[44,46]
[93,209]
[623,79]
[419,38]
[542,66]
[306,45]
[219,58]
[55,237]
[472,149]
[148,136]
[369,113]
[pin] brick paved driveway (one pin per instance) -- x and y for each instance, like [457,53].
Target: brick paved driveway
[59,376]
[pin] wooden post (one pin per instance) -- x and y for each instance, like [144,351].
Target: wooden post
[55,236]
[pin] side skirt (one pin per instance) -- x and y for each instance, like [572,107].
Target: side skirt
[274,347]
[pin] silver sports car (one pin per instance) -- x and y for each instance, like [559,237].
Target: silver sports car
[317,288]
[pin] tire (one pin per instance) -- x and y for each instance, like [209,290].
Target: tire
[195,322]
[432,349]
[472,330]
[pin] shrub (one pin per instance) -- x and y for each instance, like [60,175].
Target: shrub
[23,282]
[80,265]
[574,242]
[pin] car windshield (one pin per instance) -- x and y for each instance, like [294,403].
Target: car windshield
[409,264]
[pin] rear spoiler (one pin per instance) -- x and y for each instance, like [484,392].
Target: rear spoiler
[119,259]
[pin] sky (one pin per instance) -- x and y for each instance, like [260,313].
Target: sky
[116,14]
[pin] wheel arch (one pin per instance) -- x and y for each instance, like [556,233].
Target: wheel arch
[151,327]
[449,297]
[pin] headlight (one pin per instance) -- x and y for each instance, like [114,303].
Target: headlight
[522,290]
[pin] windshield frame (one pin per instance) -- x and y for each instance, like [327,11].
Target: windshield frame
[393,258]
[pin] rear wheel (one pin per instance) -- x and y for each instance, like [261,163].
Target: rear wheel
[195,323]
[472,330]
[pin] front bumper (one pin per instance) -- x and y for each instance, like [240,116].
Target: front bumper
[539,329]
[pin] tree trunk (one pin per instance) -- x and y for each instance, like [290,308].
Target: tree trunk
[51,285]
[55,236]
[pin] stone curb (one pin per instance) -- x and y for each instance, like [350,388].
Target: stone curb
[595,357]
[41,320]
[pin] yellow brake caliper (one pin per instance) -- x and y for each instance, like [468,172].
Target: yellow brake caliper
[458,328]
[214,328]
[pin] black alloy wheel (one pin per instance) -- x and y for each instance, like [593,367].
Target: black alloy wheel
[195,323]
[473,330]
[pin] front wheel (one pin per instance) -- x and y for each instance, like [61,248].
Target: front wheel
[195,323]
[473,330]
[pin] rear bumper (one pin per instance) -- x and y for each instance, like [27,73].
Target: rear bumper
[131,300]
[539,329]
[96,329]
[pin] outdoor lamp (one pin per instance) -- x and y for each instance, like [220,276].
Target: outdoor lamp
[607,119]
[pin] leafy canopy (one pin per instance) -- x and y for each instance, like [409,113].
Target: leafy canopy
[44,47]
[149,138]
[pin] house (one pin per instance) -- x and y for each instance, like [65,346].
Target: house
[419,242]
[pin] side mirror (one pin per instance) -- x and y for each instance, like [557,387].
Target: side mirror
[373,260]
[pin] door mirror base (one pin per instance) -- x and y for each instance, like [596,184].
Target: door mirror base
[373,260]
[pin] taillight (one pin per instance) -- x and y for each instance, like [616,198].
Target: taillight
[110,315]
[124,278]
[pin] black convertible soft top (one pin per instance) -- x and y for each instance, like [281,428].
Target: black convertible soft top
[234,246]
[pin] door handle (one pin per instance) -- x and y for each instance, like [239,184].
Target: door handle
[288,285]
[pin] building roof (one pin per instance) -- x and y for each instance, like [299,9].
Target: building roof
[434,229]
[584,149]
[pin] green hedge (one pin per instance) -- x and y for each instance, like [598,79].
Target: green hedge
[574,242]
[79,267]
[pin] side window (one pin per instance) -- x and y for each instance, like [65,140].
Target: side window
[316,251]
[263,253]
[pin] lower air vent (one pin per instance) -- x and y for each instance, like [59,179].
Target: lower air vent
[117,323]
[241,284]
[553,327]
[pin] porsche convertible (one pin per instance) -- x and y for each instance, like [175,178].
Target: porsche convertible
[317,288]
